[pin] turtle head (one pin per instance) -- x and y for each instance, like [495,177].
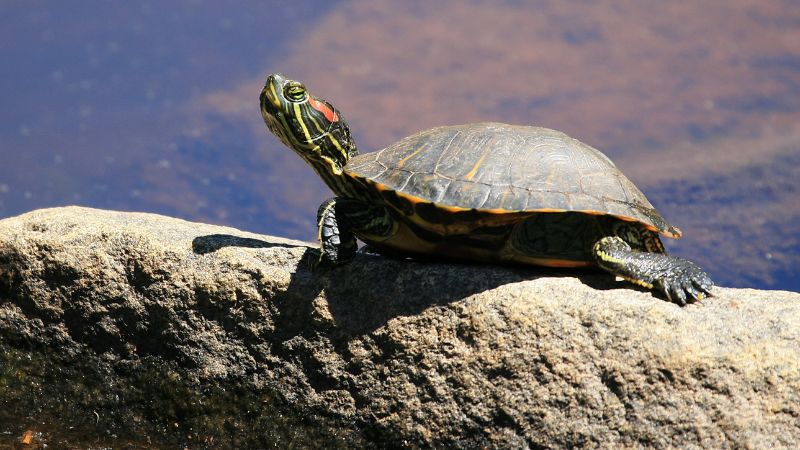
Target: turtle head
[308,125]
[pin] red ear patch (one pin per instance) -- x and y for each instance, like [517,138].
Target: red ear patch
[329,113]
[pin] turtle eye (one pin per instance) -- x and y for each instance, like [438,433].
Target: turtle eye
[295,91]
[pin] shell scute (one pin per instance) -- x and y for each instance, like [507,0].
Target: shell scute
[505,168]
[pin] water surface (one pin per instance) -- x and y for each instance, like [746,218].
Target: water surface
[153,106]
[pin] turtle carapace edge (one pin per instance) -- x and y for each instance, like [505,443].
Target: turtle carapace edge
[483,192]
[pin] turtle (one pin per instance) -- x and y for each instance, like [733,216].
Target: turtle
[487,192]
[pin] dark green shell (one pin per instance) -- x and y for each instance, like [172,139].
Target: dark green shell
[505,168]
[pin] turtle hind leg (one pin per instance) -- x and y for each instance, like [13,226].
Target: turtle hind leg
[680,280]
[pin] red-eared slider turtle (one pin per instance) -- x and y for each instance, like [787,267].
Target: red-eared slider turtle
[482,191]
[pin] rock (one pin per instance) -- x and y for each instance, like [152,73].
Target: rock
[142,329]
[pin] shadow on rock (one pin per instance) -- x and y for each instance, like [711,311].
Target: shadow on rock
[213,242]
[366,293]
[406,270]
[601,281]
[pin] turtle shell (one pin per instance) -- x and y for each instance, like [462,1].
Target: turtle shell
[502,169]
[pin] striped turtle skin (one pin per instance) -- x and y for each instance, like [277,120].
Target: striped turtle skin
[488,192]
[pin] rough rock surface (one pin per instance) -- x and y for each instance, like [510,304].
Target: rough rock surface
[128,327]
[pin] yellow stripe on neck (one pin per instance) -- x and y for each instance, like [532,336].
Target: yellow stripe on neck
[299,116]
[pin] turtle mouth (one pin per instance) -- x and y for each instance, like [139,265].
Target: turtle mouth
[273,100]
[270,103]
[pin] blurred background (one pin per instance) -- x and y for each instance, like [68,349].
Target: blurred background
[153,106]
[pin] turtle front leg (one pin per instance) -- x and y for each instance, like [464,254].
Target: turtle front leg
[679,279]
[338,221]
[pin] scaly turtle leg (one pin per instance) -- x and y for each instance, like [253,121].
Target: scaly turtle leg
[340,219]
[679,279]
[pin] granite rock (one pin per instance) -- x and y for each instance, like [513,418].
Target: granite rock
[147,329]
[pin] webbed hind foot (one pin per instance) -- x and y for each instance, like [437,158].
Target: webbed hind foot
[680,280]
